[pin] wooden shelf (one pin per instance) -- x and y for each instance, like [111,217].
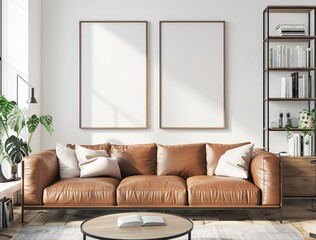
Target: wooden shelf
[292,129]
[289,99]
[290,38]
[291,69]
[289,9]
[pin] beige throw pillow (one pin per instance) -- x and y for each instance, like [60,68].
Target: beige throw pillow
[96,163]
[235,162]
[68,163]
[100,167]
[84,154]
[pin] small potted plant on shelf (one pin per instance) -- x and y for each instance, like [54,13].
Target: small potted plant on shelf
[306,122]
[12,121]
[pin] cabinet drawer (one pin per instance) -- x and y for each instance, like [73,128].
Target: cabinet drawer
[298,186]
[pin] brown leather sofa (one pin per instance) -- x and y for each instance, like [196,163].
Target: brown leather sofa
[154,177]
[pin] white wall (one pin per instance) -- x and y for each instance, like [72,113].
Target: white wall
[34,67]
[60,66]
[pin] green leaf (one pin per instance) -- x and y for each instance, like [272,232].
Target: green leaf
[47,122]
[6,106]
[16,120]
[32,123]
[16,149]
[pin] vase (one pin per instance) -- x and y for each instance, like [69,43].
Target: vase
[14,172]
[307,122]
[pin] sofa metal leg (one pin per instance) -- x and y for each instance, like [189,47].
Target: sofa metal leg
[281,215]
[22,214]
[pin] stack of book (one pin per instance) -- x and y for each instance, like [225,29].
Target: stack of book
[291,30]
[296,86]
[300,145]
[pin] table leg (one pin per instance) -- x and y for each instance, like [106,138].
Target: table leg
[189,236]
[84,236]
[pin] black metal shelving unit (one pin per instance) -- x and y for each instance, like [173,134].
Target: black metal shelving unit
[310,39]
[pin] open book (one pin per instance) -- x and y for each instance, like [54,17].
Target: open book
[138,221]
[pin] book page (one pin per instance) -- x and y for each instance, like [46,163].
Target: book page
[129,221]
[153,221]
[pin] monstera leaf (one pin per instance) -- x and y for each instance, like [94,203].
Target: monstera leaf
[16,149]
[6,106]
[47,122]
[32,123]
[16,120]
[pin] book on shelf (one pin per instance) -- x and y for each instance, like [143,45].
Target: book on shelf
[138,221]
[296,86]
[285,56]
[291,30]
[300,145]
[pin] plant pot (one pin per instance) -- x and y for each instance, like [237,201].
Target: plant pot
[14,172]
[306,121]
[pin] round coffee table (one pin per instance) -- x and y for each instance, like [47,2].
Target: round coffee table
[105,227]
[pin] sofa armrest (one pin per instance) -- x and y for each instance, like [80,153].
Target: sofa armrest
[266,173]
[38,171]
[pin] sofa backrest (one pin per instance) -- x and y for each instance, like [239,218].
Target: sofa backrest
[138,159]
[181,160]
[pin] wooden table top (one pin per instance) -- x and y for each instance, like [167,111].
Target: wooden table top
[105,227]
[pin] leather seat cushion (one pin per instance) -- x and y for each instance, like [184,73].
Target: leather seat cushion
[152,190]
[215,190]
[184,160]
[82,191]
[137,159]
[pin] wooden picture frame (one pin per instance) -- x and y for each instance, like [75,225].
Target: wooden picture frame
[192,74]
[113,74]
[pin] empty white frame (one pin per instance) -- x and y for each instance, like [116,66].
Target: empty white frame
[192,74]
[113,74]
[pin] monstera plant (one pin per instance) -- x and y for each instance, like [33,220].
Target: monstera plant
[12,122]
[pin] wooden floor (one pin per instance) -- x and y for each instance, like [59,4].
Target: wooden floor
[297,212]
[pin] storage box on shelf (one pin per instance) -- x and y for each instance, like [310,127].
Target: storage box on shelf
[289,57]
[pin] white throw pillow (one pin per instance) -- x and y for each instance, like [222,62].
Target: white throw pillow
[84,154]
[235,162]
[100,167]
[68,163]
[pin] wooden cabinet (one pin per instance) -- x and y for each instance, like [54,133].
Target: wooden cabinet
[298,177]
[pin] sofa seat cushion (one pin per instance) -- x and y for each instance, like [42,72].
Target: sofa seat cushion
[215,190]
[152,190]
[82,191]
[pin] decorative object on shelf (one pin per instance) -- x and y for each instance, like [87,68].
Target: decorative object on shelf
[12,121]
[280,119]
[306,122]
[288,120]
[306,119]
